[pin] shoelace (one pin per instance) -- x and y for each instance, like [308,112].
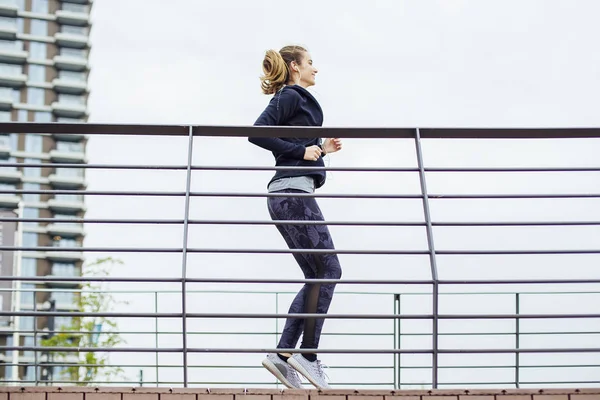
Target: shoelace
[322,373]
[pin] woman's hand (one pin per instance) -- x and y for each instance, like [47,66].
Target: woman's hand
[312,153]
[331,145]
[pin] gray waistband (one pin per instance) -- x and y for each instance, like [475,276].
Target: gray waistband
[304,183]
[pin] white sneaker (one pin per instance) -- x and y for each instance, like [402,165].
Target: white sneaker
[282,371]
[311,370]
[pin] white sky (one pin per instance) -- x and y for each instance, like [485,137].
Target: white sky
[396,63]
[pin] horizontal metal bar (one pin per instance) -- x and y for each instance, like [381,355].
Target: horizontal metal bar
[512,169]
[290,350]
[310,195]
[292,251]
[212,222]
[293,131]
[296,222]
[208,250]
[302,316]
[171,167]
[94,129]
[510,133]
[206,167]
[212,194]
[303,281]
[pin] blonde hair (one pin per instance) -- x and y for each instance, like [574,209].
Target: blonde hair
[276,67]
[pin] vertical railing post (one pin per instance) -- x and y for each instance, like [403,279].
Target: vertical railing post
[35,353]
[156,333]
[184,256]
[432,259]
[517,340]
[397,342]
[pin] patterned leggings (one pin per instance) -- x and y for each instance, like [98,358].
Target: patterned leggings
[312,298]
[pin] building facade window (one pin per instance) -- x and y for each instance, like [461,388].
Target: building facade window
[39,27]
[26,323]
[41,116]
[7,22]
[11,69]
[33,143]
[10,45]
[9,160]
[64,297]
[69,198]
[35,96]
[5,116]
[65,242]
[29,265]
[30,239]
[27,294]
[37,74]
[78,8]
[16,95]
[5,140]
[22,116]
[70,52]
[38,50]
[39,6]
[64,269]
[31,197]
[71,99]
[74,30]
[70,172]
[31,212]
[69,147]
[72,76]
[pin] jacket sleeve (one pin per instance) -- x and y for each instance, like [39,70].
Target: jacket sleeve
[281,108]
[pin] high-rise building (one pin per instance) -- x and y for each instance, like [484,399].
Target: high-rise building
[44,49]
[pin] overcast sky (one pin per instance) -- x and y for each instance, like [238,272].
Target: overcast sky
[395,63]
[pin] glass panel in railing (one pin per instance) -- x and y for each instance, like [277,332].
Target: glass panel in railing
[31,197]
[7,22]
[74,30]
[79,8]
[9,160]
[69,147]
[5,139]
[72,76]
[67,216]
[70,172]
[64,269]
[71,99]
[32,172]
[69,198]
[65,242]
[70,52]
[10,69]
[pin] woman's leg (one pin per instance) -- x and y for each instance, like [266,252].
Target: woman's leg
[313,298]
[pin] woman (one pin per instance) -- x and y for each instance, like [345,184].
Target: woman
[287,74]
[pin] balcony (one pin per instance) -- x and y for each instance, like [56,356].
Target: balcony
[6,104]
[72,18]
[70,86]
[65,256]
[71,63]
[71,40]
[69,110]
[8,33]
[10,175]
[13,81]
[66,206]
[66,181]
[59,156]
[9,201]
[13,56]
[61,284]
[78,1]
[8,10]
[69,137]
[65,229]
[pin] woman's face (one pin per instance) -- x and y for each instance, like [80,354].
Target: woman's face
[306,72]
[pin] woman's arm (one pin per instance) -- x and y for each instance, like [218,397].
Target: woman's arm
[281,108]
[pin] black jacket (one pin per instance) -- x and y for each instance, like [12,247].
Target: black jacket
[292,106]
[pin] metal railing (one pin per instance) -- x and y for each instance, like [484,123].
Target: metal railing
[403,359]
